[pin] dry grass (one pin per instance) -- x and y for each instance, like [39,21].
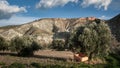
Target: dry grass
[55,54]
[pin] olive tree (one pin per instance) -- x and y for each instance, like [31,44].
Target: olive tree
[25,46]
[18,43]
[93,39]
[3,44]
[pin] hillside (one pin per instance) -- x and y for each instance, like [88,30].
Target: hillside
[114,24]
[45,30]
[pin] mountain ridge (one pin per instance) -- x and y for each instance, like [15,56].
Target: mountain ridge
[114,24]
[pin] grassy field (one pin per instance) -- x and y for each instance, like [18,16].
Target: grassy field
[11,60]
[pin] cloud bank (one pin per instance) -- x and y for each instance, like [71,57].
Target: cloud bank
[53,3]
[7,10]
[97,3]
[85,3]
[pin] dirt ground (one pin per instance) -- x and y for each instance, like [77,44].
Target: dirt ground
[55,54]
[41,56]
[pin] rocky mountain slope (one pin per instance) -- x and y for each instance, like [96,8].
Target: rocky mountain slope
[44,30]
[114,24]
[47,29]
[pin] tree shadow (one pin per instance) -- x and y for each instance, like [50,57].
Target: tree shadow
[8,53]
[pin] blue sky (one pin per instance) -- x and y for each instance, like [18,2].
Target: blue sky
[24,11]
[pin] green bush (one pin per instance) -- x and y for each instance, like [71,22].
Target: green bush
[58,45]
[17,65]
[36,65]
[113,61]
[35,46]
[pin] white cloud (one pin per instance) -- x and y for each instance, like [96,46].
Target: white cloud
[15,20]
[97,3]
[104,17]
[53,3]
[7,10]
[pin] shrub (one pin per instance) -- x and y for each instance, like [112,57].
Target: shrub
[113,61]
[35,46]
[17,65]
[36,65]
[58,45]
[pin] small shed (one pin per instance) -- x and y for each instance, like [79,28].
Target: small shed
[80,57]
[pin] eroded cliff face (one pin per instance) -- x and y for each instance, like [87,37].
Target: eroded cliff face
[44,30]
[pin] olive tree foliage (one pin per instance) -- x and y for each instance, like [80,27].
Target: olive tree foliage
[25,46]
[18,43]
[58,45]
[92,39]
[73,42]
[104,39]
[3,44]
